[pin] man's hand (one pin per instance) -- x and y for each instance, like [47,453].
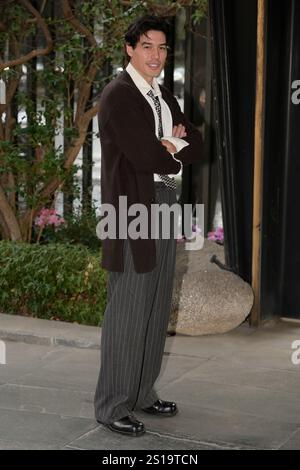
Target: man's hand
[179,131]
[169,146]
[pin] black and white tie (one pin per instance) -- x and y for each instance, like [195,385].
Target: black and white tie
[169,182]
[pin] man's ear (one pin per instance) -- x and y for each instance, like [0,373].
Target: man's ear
[129,50]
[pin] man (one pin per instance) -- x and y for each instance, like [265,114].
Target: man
[145,139]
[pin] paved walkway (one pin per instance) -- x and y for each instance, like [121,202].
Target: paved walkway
[235,391]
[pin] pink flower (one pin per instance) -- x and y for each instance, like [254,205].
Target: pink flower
[217,235]
[49,217]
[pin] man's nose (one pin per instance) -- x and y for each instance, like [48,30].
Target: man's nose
[155,53]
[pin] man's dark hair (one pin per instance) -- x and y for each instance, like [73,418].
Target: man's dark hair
[144,24]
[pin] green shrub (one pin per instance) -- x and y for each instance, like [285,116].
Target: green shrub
[55,281]
[79,228]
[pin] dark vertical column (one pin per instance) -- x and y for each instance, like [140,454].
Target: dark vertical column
[87,169]
[68,188]
[186,188]
[205,181]
[233,26]
[200,180]
[87,159]
[276,98]
[48,61]
[169,67]
[280,279]
[289,116]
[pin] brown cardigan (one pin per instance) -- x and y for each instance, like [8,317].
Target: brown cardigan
[130,155]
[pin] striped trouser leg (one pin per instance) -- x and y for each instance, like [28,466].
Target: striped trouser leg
[134,330]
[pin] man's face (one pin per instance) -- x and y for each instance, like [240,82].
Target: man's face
[149,55]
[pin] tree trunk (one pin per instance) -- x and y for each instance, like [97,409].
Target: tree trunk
[4,232]
[8,220]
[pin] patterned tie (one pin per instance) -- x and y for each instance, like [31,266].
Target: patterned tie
[169,182]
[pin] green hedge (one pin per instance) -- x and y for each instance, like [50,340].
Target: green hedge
[54,281]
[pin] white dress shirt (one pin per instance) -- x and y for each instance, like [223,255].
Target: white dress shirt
[166,115]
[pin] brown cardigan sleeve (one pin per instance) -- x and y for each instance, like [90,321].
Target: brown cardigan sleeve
[122,117]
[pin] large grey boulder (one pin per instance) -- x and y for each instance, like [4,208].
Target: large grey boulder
[207,299]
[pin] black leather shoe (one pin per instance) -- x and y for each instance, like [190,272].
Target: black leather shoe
[128,425]
[162,408]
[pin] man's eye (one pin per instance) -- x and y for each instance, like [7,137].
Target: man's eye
[163,48]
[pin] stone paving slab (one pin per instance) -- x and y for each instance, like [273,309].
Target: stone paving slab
[71,403]
[25,445]
[224,371]
[45,429]
[103,439]
[293,442]
[224,428]
[282,405]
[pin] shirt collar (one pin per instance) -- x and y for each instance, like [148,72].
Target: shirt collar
[141,83]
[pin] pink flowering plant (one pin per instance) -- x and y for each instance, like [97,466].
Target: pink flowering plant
[195,228]
[47,217]
[216,235]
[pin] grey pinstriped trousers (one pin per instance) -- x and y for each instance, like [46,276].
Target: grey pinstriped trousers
[134,329]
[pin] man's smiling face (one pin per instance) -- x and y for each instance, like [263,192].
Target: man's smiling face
[149,55]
